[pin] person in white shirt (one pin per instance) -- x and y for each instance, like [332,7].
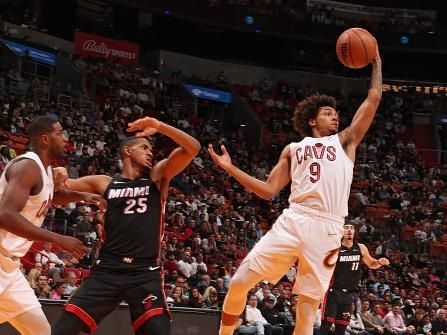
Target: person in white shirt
[184,265]
[291,274]
[394,322]
[50,260]
[198,264]
[355,326]
[72,281]
[264,291]
[228,277]
[254,321]
[203,210]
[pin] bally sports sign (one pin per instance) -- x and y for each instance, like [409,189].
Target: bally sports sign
[107,48]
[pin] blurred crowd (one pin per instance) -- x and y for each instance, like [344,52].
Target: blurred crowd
[398,202]
[323,13]
[326,13]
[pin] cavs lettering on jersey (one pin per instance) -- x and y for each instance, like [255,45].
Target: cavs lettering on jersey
[321,175]
[347,273]
[35,209]
[133,220]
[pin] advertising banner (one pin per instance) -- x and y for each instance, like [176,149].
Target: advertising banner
[35,54]
[106,48]
[209,93]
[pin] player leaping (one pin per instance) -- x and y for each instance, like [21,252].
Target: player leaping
[320,168]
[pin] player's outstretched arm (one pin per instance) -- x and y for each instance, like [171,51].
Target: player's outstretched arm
[64,196]
[278,178]
[370,261]
[353,135]
[96,184]
[22,179]
[179,158]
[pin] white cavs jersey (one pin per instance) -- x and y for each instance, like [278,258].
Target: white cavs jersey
[34,211]
[321,175]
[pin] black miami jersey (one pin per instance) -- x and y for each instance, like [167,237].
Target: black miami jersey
[134,218]
[348,273]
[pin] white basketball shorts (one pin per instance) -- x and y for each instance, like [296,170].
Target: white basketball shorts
[310,237]
[16,295]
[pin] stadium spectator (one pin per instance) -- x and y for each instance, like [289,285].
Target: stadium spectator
[394,322]
[42,290]
[53,264]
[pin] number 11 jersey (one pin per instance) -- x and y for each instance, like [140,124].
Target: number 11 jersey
[133,221]
[321,174]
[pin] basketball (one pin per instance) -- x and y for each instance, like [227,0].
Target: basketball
[356,48]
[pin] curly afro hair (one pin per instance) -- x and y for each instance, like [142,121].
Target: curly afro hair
[308,109]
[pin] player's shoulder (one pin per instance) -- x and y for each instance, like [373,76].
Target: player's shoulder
[362,247]
[24,172]
[110,180]
[23,165]
[333,138]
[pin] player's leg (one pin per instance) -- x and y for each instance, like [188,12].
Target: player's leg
[94,300]
[68,323]
[236,298]
[343,314]
[159,324]
[33,322]
[328,312]
[318,255]
[147,303]
[306,311]
[270,259]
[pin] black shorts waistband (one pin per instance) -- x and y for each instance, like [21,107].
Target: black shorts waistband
[130,260]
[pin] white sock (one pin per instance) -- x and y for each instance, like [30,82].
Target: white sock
[226,330]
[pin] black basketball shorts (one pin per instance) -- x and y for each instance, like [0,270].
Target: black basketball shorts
[113,281]
[337,306]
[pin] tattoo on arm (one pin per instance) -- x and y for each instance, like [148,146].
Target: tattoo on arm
[376,77]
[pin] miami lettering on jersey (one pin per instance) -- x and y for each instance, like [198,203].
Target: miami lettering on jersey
[349,258]
[317,151]
[128,192]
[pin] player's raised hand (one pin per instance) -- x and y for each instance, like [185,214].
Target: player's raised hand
[72,245]
[145,127]
[224,160]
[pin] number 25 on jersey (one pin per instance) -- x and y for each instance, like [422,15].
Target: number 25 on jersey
[138,205]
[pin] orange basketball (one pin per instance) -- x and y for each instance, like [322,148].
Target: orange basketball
[356,48]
